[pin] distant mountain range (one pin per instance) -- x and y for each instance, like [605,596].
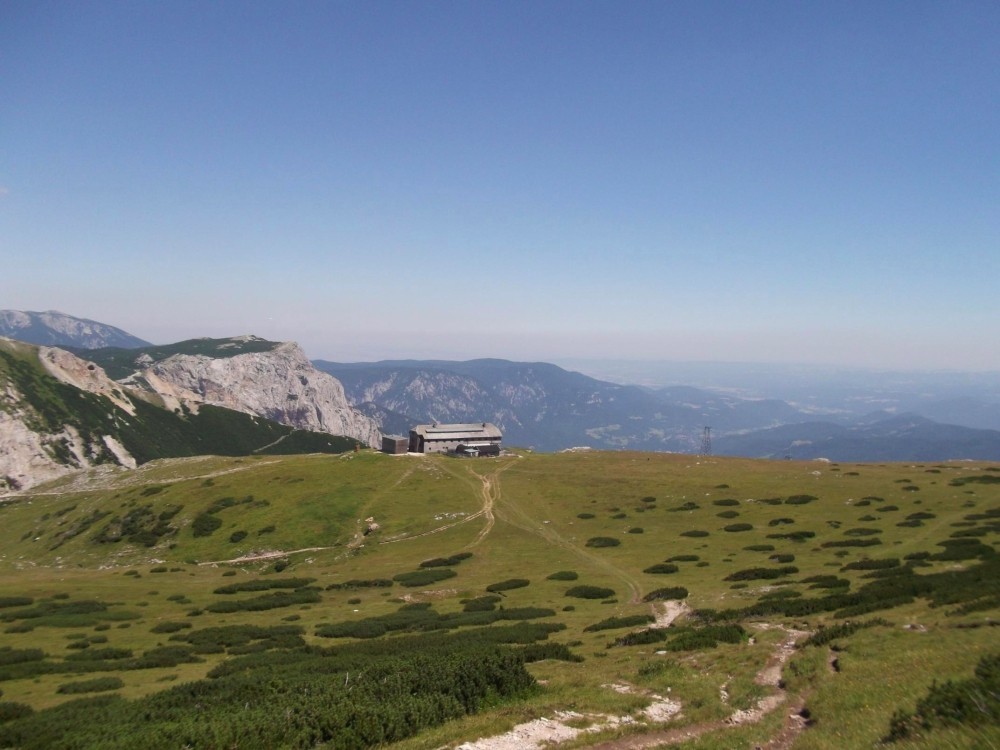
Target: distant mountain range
[548,408]
[53,328]
[540,405]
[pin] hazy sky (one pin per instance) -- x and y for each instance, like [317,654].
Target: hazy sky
[754,181]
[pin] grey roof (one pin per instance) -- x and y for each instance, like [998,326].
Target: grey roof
[477,431]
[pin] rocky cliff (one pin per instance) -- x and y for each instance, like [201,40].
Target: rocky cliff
[37,442]
[60,414]
[280,384]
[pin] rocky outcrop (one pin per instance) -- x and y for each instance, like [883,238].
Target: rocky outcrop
[280,384]
[84,375]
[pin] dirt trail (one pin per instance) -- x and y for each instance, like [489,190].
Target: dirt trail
[512,513]
[549,732]
[487,489]
[269,555]
[668,611]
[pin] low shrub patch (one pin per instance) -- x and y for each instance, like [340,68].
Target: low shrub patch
[851,543]
[800,499]
[683,558]
[753,574]
[795,536]
[695,533]
[664,594]
[661,569]
[446,562]
[892,562]
[564,575]
[602,541]
[629,621]
[361,583]
[590,592]
[510,583]
[736,527]
[97,685]
[971,702]
[424,577]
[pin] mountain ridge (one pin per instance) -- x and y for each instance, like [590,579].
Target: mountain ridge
[54,328]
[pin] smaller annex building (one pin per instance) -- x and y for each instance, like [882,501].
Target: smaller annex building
[481,439]
[395,444]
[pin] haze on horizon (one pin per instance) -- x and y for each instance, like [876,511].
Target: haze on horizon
[779,182]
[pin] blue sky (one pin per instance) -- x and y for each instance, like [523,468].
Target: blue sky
[787,182]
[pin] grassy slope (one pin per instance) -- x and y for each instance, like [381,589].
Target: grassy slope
[315,501]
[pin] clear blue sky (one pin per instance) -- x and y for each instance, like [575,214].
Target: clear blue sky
[750,181]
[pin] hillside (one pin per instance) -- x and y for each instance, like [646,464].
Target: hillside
[60,414]
[594,599]
[53,328]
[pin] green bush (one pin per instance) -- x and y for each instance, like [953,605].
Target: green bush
[602,541]
[727,514]
[264,584]
[972,702]
[362,583]
[564,575]
[205,524]
[736,527]
[97,685]
[237,536]
[424,577]
[671,592]
[481,604]
[510,583]
[726,502]
[683,558]
[753,574]
[10,710]
[169,627]
[446,562]
[800,499]
[892,562]
[612,623]
[590,592]
[661,569]
[695,534]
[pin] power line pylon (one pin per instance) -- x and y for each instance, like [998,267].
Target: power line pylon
[706,442]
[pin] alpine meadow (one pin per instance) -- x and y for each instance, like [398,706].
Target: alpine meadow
[605,599]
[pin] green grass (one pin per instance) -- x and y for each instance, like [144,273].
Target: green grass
[52,564]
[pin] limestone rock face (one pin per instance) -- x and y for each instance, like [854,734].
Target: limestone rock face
[30,453]
[280,384]
[84,375]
